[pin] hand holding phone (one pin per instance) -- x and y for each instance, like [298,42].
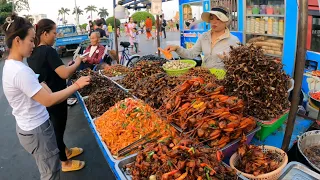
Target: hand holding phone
[84,55]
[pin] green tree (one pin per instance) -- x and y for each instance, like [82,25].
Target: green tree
[91,9]
[79,11]
[19,5]
[110,20]
[103,13]
[63,11]
[5,11]
[83,26]
[142,16]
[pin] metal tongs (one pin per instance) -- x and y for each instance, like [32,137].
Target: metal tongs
[133,146]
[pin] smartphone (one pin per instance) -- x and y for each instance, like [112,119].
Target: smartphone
[84,55]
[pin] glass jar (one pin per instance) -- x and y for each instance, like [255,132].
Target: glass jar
[269,9]
[276,9]
[275,27]
[257,25]
[249,10]
[270,23]
[281,25]
[248,28]
[255,9]
[263,9]
[282,9]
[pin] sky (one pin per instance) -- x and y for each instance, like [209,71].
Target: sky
[51,7]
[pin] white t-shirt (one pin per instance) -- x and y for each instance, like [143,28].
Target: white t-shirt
[92,50]
[20,84]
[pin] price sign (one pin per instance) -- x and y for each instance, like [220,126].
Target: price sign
[156,7]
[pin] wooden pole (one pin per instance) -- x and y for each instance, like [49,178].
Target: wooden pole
[298,71]
[158,34]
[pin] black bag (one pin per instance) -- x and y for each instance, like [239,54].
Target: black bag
[164,23]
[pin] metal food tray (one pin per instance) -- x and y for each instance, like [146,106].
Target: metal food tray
[114,81]
[231,147]
[297,171]
[124,175]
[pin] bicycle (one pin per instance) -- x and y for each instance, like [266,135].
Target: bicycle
[126,59]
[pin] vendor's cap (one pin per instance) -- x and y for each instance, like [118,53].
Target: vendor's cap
[219,12]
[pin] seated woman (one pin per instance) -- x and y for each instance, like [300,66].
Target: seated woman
[95,50]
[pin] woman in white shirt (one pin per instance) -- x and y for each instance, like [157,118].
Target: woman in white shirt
[29,99]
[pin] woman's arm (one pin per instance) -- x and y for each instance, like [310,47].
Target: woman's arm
[188,53]
[28,84]
[49,99]
[58,66]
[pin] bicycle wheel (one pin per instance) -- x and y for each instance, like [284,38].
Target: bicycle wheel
[132,61]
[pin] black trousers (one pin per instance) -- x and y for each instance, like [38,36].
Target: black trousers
[58,116]
[164,32]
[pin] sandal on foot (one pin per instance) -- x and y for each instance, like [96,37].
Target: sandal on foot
[75,166]
[75,152]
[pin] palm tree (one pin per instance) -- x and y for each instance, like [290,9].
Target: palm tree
[78,12]
[64,11]
[103,13]
[29,17]
[91,8]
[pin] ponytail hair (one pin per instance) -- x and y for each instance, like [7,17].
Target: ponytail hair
[44,25]
[15,26]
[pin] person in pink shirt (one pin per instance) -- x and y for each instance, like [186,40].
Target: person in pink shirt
[131,25]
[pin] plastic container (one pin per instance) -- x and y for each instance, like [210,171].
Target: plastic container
[257,25]
[281,26]
[313,112]
[249,10]
[269,9]
[262,26]
[219,73]
[270,23]
[274,175]
[296,170]
[255,9]
[232,147]
[179,72]
[252,24]
[282,9]
[248,28]
[268,128]
[263,9]
[275,27]
[276,9]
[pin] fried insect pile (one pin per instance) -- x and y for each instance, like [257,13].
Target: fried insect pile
[96,82]
[115,70]
[201,72]
[141,70]
[179,159]
[203,112]
[155,88]
[259,81]
[102,99]
[254,161]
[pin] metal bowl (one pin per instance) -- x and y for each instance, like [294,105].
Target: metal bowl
[308,139]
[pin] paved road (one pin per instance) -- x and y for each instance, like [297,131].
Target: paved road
[17,164]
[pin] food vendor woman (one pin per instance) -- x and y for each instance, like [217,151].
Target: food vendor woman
[212,43]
